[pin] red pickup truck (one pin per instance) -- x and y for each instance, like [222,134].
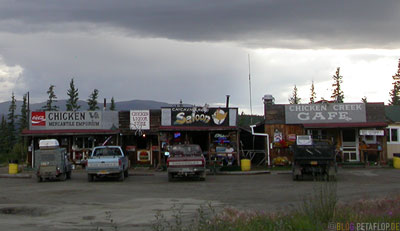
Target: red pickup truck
[186,160]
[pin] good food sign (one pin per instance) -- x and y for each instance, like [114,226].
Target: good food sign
[325,113]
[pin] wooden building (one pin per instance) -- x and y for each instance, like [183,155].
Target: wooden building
[357,129]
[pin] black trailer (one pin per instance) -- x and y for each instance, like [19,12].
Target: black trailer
[316,158]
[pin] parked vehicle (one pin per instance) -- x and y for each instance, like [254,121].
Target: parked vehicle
[107,161]
[317,158]
[51,161]
[186,160]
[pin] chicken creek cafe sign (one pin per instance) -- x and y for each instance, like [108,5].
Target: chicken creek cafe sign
[325,113]
[52,120]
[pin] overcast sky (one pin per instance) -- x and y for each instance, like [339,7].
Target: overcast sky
[198,51]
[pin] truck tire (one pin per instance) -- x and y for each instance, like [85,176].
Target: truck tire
[202,176]
[121,176]
[90,177]
[69,175]
[170,176]
[62,176]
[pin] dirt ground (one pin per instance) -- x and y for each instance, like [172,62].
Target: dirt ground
[132,205]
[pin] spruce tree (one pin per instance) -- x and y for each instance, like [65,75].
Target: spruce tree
[92,101]
[23,118]
[112,106]
[72,102]
[395,92]
[294,99]
[337,94]
[11,120]
[364,99]
[4,142]
[52,99]
[313,95]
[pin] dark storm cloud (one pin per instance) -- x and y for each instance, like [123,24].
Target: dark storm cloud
[279,23]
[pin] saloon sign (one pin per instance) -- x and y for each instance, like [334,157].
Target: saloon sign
[198,116]
[51,120]
[325,113]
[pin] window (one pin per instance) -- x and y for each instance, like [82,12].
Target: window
[393,134]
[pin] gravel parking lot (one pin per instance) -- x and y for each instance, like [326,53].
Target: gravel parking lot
[79,205]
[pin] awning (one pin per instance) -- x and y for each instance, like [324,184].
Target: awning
[69,132]
[346,125]
[179,128]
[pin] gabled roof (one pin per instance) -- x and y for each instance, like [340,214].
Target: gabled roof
[392,113]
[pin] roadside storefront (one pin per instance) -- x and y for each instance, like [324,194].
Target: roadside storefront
[139,130]
[214,129]
[356,129]
[77,131]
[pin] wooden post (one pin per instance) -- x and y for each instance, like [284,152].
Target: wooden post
[209,146]
[159,151]
[237,146]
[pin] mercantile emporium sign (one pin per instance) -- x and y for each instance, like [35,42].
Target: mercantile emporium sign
[50,120]
[325,113]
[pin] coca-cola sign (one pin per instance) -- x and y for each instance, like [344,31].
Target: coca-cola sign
[38,118]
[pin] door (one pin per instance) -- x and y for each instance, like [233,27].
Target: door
[350,145]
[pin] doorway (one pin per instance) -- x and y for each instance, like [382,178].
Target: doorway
[350,145]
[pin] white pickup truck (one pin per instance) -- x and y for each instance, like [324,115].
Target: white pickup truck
[107,161]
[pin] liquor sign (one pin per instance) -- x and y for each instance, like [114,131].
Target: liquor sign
[139,119]
[325,113]
[198,116]
[60,120]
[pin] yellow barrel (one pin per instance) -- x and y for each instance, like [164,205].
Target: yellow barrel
[12,168]
[245,164]
[396,162]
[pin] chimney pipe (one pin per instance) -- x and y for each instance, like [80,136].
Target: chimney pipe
[105,104]
[227,101]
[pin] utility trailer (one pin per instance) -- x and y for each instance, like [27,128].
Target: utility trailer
[316,158]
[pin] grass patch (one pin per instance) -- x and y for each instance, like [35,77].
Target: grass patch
[317,212]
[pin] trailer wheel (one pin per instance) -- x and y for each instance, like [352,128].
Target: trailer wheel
[121,176]
[90,177]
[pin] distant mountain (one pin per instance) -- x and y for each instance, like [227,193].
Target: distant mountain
[120,106]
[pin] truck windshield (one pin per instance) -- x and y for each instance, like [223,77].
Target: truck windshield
[107,152]
[186,150]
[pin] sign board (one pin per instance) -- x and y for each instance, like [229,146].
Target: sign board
[325,113]
[304,140]
[278,137]
[140,119]
[143,156]
[67,120]
[365,132]
[198,116]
